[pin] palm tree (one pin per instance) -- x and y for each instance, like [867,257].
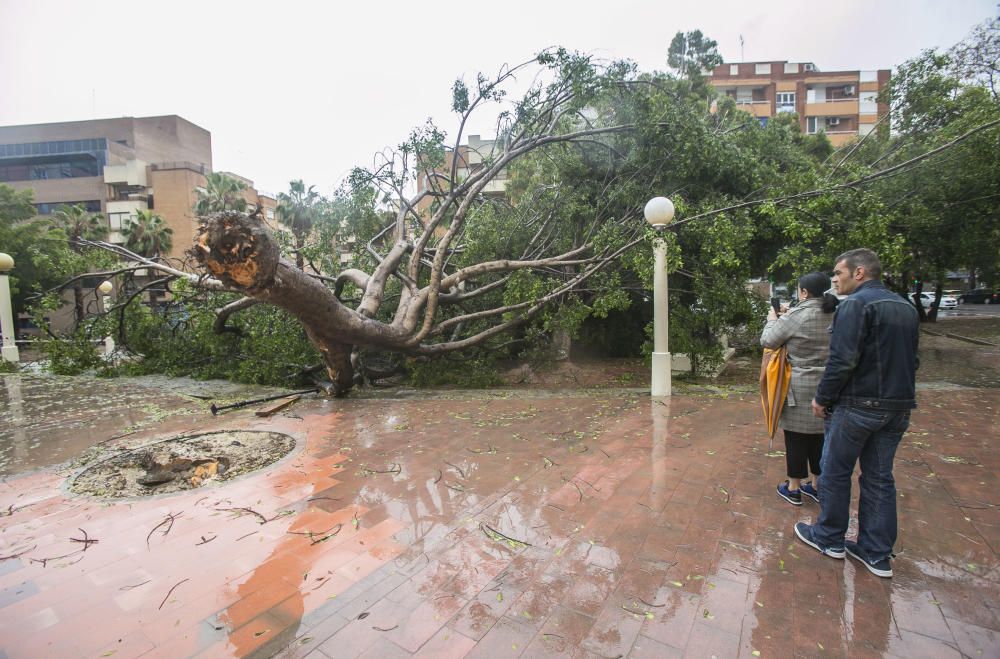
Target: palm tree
[297,210]
[147,234]
[77,222]
[221,193]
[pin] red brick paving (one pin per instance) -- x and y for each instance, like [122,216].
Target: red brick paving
[652,530]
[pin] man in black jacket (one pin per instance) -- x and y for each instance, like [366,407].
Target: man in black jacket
[866,394]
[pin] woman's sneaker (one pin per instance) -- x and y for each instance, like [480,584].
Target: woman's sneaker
[793,497]
[810,491]
[881,568]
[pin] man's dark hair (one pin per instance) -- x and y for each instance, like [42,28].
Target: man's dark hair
[864,258]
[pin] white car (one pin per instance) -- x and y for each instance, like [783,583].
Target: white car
[947,301]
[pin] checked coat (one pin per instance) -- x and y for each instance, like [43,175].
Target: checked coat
[805,331]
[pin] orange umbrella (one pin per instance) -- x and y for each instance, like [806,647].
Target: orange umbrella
[775,373]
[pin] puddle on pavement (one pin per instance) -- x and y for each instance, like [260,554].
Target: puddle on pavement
[49,420]
[182,463]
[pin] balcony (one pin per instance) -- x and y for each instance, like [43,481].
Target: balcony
[756,108]
[837,108]
[132,173]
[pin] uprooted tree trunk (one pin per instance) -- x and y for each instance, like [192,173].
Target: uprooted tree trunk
[239,251]
[240,255]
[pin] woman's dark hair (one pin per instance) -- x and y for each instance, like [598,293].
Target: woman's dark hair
[816,283]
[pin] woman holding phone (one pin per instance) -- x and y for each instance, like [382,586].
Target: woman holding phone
[804,330]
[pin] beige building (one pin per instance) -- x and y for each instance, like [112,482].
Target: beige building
[843,104]
[117,167]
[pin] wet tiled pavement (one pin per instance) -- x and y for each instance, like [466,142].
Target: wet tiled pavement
[597,525]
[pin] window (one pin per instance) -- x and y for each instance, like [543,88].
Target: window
[785,101]
[791,67]
[811,125]
[734,69]
[49,167]
[48,208]
[119,220]
[762,69]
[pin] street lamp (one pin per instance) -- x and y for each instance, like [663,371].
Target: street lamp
[105,289]
[659,211]
[8,351]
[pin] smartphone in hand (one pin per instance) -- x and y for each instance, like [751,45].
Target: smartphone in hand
[776,305]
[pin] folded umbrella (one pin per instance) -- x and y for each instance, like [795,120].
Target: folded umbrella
[775,374]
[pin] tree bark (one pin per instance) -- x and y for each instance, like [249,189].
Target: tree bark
[240,252]
[79,311]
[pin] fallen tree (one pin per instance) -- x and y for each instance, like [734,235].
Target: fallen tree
[236,252]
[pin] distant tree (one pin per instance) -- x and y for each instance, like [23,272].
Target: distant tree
[147,234]
[947,214]
[221,193]
[30,242]
[691,53]
[298,210]
[978,57]
[79,224]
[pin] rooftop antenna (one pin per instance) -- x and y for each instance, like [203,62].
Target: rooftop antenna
[742,59]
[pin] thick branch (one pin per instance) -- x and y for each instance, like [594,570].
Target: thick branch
[223,314]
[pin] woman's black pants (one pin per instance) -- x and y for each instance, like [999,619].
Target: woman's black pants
[802,453]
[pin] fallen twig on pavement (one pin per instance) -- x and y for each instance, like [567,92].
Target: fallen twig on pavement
[168,593]
[244,511]
[169,521]
[86,540]
[495,535]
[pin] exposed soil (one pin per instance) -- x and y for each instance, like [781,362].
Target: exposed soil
[182,463]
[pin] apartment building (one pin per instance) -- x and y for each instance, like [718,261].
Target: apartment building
[471,158]
[842,104]
[116,167]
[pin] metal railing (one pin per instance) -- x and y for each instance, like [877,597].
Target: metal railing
[182,164]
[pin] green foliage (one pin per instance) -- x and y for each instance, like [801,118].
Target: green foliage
[30,243]
[147,234]
[221,193]
[690,53]
[477,372]
[271,348]
[72,355]
[77,222]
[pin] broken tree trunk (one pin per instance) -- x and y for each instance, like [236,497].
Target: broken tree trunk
[239,251]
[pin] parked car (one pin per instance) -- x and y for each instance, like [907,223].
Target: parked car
[947,301]
[980,296]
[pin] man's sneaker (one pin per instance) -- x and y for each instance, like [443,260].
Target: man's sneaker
[805,533]
[881,568]
[810,491]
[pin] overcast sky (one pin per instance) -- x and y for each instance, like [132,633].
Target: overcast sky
[307,90]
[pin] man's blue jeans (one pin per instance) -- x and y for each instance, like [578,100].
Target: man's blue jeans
[871,436]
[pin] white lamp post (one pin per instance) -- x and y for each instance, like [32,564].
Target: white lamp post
[9,349]
[659,211]
[105,288]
